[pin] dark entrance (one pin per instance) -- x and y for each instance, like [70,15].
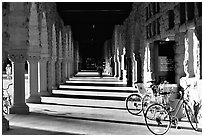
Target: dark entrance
[164,61]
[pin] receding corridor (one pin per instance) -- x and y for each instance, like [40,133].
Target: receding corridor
[73,65]
[87,105]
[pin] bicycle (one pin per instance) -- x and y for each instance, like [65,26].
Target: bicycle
[137,102]
[7,100]
[160,117]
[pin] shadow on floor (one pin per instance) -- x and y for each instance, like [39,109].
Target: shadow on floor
[83,106]
[17,130]
[88,97]
[104,120]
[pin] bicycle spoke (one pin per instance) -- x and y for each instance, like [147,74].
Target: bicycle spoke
[134,104]
[157,119]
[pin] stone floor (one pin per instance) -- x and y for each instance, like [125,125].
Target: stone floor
[81,114]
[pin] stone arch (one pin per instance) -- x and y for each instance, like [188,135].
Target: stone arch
[69,40]
[54,57]
[66,45]
[33,27]
[44,35]
[60,44]
[5,34]
[54,42]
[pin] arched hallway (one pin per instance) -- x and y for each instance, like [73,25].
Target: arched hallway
[98,108]
[50,44]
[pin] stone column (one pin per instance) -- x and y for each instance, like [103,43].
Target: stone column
[43,82]
[129,72]
[33,79]
[53,69]
[49,86]
[71,68]
[138,68]
[59,71]
[68,70]
[179,56]
[64,70]
[189,60]
[120,68]
[19,105]
[116,65]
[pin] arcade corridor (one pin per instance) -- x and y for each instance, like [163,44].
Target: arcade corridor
[56,48]
[97,108]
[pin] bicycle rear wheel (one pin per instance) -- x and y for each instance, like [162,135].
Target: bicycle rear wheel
[157,119]
[191,117]
[134,104]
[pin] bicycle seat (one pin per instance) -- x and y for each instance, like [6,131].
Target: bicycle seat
[151,81]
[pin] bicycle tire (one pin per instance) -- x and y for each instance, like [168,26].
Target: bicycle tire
[191,117]
[133,104]
[157,119]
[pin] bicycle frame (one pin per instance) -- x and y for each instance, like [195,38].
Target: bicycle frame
[179,104]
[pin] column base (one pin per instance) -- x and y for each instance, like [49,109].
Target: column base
[19,109]
[129,83]
[5,124]
[34,99]
[55,87]
[45,93]
[120,78]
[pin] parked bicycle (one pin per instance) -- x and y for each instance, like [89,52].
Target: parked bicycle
[7,100]
[137,102]
[160,117]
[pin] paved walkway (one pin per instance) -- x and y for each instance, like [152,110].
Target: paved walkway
[68,115]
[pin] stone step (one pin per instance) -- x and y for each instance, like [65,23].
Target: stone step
[96,83]
[84,103]
[94,95]
[98,88]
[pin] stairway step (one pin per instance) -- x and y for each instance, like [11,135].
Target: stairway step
[98,88]
[92,93]
[94,79]
[76,102]
[96,83]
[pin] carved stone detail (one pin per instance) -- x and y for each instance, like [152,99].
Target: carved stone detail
[17,57]
[44,59]
[33,58]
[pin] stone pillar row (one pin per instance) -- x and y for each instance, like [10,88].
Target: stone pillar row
[38,77]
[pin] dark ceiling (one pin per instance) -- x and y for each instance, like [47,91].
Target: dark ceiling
[93,22]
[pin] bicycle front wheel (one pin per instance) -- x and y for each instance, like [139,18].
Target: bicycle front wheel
[134,104]
[191,117]
[157,119]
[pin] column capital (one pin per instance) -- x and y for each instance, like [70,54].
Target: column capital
[60,59]
[53,58]
[33,58]
[44,59]
[18,57]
